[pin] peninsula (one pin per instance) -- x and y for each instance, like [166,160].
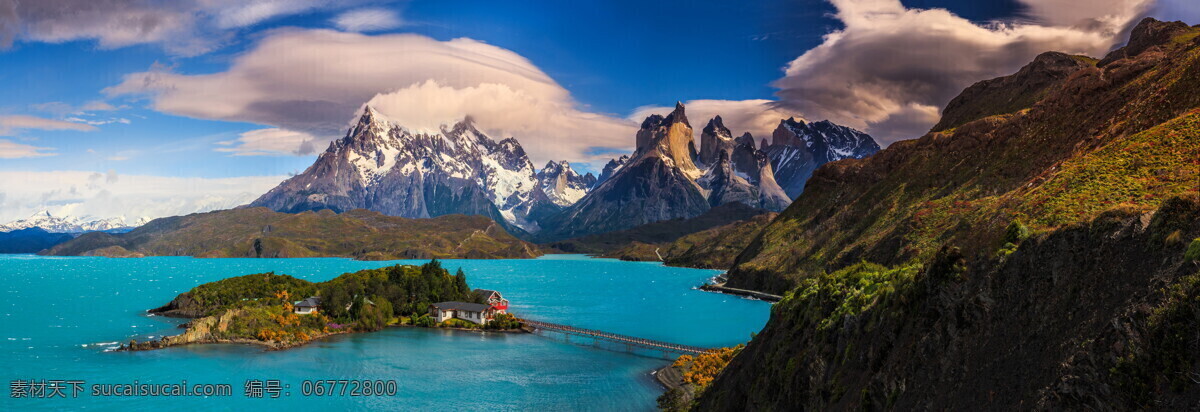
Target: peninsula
[280,311]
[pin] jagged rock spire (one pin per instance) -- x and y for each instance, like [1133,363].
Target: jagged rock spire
[715,138]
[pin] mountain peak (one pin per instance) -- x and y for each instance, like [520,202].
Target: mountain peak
[746,139]
[1147,34]
[715,139]
[371,115]
[562,184]
[677,116]
[715,124]
[556,166]
[1012,93]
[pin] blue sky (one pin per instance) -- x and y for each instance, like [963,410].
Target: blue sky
[615,60]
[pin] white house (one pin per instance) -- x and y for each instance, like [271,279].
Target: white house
[306,306]
[472,312]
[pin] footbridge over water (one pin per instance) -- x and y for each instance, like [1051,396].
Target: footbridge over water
[628,341]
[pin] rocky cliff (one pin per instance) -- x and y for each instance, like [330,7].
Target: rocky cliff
[1044,258]
[1100,315]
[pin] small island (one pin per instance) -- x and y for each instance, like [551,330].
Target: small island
[280,311]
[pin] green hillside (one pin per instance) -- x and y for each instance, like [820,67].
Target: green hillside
[1120,136]
[713,248]
[260,232]
[1037,259]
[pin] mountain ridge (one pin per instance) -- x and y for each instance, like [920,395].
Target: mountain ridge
[71,224]
[666,178]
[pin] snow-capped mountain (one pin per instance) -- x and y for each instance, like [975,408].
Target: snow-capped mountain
[610,168]
[381,165]
[659,182]
[562,184]
[798,148]
[70,224]
[666,178]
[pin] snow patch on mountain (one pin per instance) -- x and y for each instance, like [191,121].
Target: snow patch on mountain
[395,171]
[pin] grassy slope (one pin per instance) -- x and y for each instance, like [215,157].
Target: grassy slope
[260,232]
[660,232]
[713,248]
[1098,315]
[1121,136]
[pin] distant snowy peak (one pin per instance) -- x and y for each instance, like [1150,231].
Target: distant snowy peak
[611,168]
[828,141]
[562,184]
[798,147]
[50,223]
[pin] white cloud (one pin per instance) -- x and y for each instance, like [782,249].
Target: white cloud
[102,122]
[270,142]
[182,27]
[890,65]
[242,13]
[107,194]
[112,23]
[11,123]
[315,81]
[548,127]
[759,117]
[368,20]
[13,150]
[1105,17]
[97,106]
[62,109]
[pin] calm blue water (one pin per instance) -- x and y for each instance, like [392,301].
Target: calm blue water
[58,315]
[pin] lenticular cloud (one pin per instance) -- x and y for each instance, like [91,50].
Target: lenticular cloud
[314,81]
[891,69]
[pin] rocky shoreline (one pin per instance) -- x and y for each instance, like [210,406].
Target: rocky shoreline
[199,333]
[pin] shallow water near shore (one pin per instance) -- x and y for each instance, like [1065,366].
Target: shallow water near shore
[60,315]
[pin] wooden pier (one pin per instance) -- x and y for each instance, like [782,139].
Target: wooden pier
[618,338]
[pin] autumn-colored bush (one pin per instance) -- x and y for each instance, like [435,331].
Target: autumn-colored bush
[700,370]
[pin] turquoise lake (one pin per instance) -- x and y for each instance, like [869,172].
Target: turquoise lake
[60,315]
